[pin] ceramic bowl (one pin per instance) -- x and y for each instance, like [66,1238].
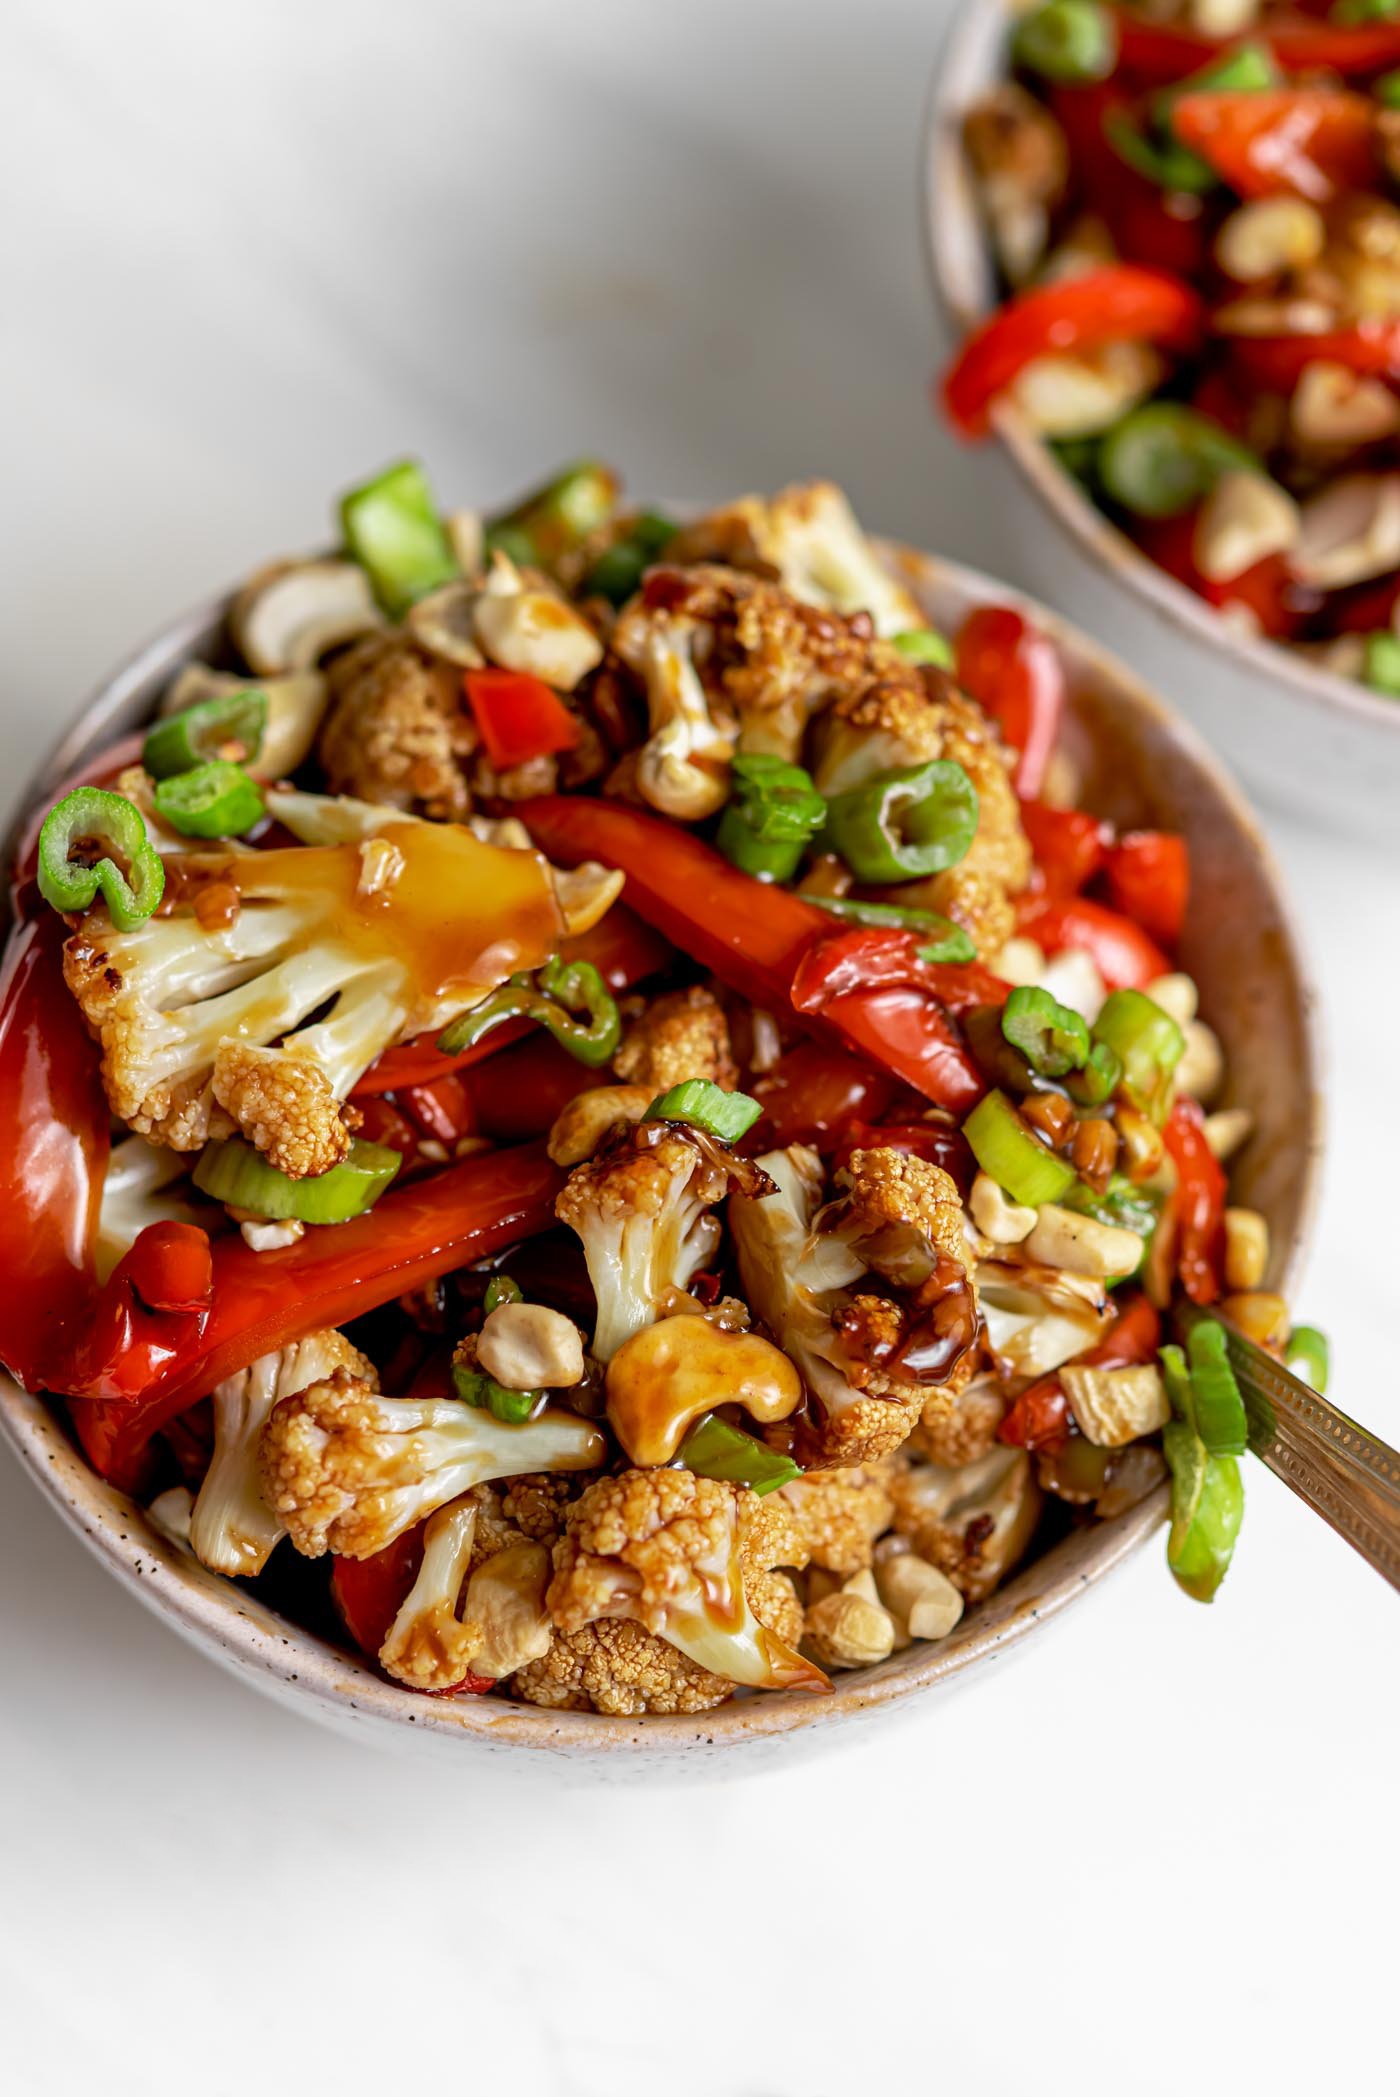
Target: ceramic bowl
[1314,743]
[1138,765]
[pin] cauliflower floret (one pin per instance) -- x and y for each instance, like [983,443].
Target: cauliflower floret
[959,1425]
[682,1034]
[616,1666]
[809,538]
[396,731]
[682,769]
[348,1471]
[232,1529]
[681,1555]
[469,1610]
[839,1515]
[972,1523]
[642,1206]
[801,1268]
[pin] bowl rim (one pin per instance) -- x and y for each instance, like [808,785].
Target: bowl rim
[233,1627]
[958,263]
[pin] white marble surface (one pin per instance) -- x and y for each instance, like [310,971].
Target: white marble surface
[251,252]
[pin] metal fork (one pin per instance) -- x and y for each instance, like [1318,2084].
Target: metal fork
[1348,1476]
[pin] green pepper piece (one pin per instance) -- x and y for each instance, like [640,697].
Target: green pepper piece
[1351,13]
[568,998]
[1099,1078]
[1387,90]
[217,799]
[1161,459]
[230,725]
[1309,1356]
[92,840]
[1071,42]
[714,1449]
[949,942]
[728,1115]
[556,519]
[511,1408]
[393,530]
[925,644]
[1009,1153]
[1051,1037]
[773,813]
[905,824]
[239,1176]
[1207,1509]
[501,1289]
[1149,1044]
[619,569]
[1381,667]
[1216,1403]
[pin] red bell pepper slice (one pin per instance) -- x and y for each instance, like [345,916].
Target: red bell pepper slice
[369,1593]
[873,988]
[1276,362]
[1309,142]
[1040,1417]
[54,1125]
[1069,845]
[1121,951]
[518,716]
[517,1095]
[151,1310]
[813,1092]
[1198,1203]
[1015,674]
[1370,608]
[1148,874]
[753,935]
[1119,302]
[1155,55]
[940,1142]
[263,1300]
[1147,223]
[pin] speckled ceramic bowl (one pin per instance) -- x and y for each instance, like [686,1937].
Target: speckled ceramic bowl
[1138,764]
[1316,744]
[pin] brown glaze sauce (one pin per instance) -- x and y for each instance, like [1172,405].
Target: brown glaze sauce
[938,1322]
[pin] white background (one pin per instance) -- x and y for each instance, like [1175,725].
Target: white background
[251,252]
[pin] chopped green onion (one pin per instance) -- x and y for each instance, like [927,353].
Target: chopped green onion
[619,569]
[1216,1404]
[393,530]
[1079,456]
[1387,90]
[556,519]
[1350,13]
[1170,166]
[501,1289]
[1100,1077]
[714,1449]
[1122,1204]
[1161,459]
[948,943]
[925,644]
[1008,1152]
[511,1408]
[231,724]
[1207,1509]
[773,814]
[568,998]
[1381,667]
[1149,1044]
[728,1115]
[1071,42]
[1248,69]
[240,1177]
[1051,1037]
[905,824]
[94,840]
[217,799]
[1308,1355]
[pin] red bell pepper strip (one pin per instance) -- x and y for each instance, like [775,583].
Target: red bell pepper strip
[1015,674]
[1148,875]
[53,1147]
[151,1310]
[940,1142]
[1280,605]
[1308,142]
[1121,951]
[813,1092]
[872,984]
[1276,362]
[1199,1202]
[1148,224]
[518,716]
[517,1095]
[1119,302]
[263,1300]
[1068,843]
[753,934]
[369,1593]
[1155,56]
[443,1110]
[1040,1417]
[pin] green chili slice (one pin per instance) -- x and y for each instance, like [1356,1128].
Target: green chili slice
[1051,1037]
[230,725]
[1215,1395]
[1100,1077]
[774,812]
[1009,1153]
[392,528]
[1149,1044]
[1207,1509]
[728,1115]
[945,941]
[94,840]
[501,1289]
[1071,42]
[556,519]
[905,824]
[511,1408]
[1309,1356]
[925,644]
[568,998]
[1161,459]
[217,799]
[1171,166]
[714,1449]
[617,573]
[239,1176]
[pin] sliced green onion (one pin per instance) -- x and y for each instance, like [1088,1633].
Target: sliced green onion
[1122,1204]
[925,644]
[1381,665]
[217,799]
[231,724]
[511,1408]
[1078,455]
[1309,1356]
[1215,1395]
[1248,69]
[239,1176]
[1100,1077]
[905,824]
[1051,1037]
[1149,1044]
[1170,166]
[94,840]
[1350,13]
[501,1289]
[1161,459]
[714,1449]
[556,519]
[1207,1509]
[728,1115]
[774,812]
[392,528]
[1009,1153]
[568,998]
[946,941]
[1387,90]
[617,573]
[1071,42]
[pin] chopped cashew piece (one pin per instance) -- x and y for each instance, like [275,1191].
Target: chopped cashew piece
[1177,995]
[1350,531]
[1246,1249]
[528,1347]
[532,629]
[293,613]
[665,1376]
[1004,1221]
[1078,395]
[1259,1314]
[918,1596]
[683,767]
[1228,1130]
[505,1606]
[1114,1406]
[1201,1071]
[443,624]
[581,1125]
[1082,1244]
[1244,519]
[1264,238]
[1333,405]
[845,1630]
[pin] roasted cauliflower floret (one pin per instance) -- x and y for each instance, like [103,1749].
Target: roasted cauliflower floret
[972,1523]
[616,1666]
[899,1213]
[682,769]
[690,1559]
[808,538]
[642,1206]
[469,1611]
[348,1470]
[839,1515]
[682,1034]
[959,1425]
[232,1529]
[396,731]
